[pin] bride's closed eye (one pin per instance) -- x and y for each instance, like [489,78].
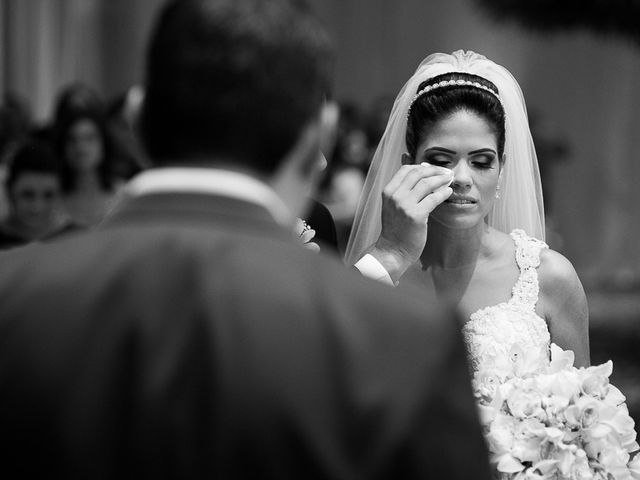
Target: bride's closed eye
[484,161]
[438,160]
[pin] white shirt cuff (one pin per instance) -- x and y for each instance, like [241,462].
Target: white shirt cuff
[372,268]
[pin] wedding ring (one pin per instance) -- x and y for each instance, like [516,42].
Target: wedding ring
[305,228]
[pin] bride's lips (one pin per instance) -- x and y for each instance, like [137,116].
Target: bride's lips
[461,200]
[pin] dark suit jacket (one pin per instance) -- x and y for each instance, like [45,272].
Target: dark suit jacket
[191,338]
[320,219]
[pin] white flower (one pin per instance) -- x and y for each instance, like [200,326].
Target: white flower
[542,470]
[614,396]
[555,406]
[563,383]
[634,467]
[485,385]
[578,467]
[595,385]
[525,362]
[560,359]
[527,437]
[501,434]
[487,414]
[583,413]
[552,420]
[525,403]
[530,473]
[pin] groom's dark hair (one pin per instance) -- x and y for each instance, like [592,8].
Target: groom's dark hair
[236,80]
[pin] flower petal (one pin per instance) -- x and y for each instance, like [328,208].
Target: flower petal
[509,464]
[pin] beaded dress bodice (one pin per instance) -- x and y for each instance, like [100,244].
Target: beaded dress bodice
[493,332]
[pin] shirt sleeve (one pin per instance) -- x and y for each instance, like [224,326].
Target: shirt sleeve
[369,267]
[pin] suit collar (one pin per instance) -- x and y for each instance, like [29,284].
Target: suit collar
[210,181]
[195,209]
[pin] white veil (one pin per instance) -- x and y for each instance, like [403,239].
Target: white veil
[520,204]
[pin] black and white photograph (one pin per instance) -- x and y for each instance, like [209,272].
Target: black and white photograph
[320,239]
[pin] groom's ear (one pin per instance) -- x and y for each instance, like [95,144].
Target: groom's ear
[306,162]
[327,131]
[329,116]
[299,172]
[306,158]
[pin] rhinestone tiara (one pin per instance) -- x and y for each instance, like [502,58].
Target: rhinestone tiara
[450,83]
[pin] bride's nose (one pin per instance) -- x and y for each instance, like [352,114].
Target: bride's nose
[462,176]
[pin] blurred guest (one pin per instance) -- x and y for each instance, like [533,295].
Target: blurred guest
[15,123]
[85,150]
[340,190]
[376,120]
[341,198]
[190,336]
[34,187]
[76,98]
[71,100]
[352,144]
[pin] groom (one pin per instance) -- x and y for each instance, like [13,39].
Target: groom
[191,336]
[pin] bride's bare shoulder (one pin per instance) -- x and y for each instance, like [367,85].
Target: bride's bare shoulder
[564,304]
[557,274]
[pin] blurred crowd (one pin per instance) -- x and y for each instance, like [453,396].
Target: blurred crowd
[359,131]
[66,174]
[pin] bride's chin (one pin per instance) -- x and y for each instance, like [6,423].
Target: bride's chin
[454,222]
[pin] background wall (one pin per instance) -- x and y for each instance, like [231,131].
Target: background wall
[47,44]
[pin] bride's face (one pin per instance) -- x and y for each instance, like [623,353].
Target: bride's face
[465,143]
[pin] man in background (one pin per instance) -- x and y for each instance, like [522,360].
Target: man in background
[34,192]
[191,336]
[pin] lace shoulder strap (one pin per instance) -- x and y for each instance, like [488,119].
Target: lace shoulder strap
[525,291]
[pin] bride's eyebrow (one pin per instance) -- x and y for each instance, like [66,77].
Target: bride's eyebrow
[440,149]
[483,150]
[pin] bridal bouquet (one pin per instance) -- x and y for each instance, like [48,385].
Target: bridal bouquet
[555,421]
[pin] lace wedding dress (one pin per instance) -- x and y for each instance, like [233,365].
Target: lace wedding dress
[493,332]
[542,417]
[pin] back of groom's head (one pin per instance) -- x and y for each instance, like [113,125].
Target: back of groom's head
[236,80]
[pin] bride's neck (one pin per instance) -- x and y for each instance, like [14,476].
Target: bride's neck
[451,249]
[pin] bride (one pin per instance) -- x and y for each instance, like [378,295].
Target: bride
[453,202]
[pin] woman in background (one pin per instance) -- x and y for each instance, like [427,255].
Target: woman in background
[85,149]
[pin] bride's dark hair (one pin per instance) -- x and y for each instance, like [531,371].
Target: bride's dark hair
[441,102]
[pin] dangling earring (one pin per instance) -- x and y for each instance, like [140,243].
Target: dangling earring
[498,191]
